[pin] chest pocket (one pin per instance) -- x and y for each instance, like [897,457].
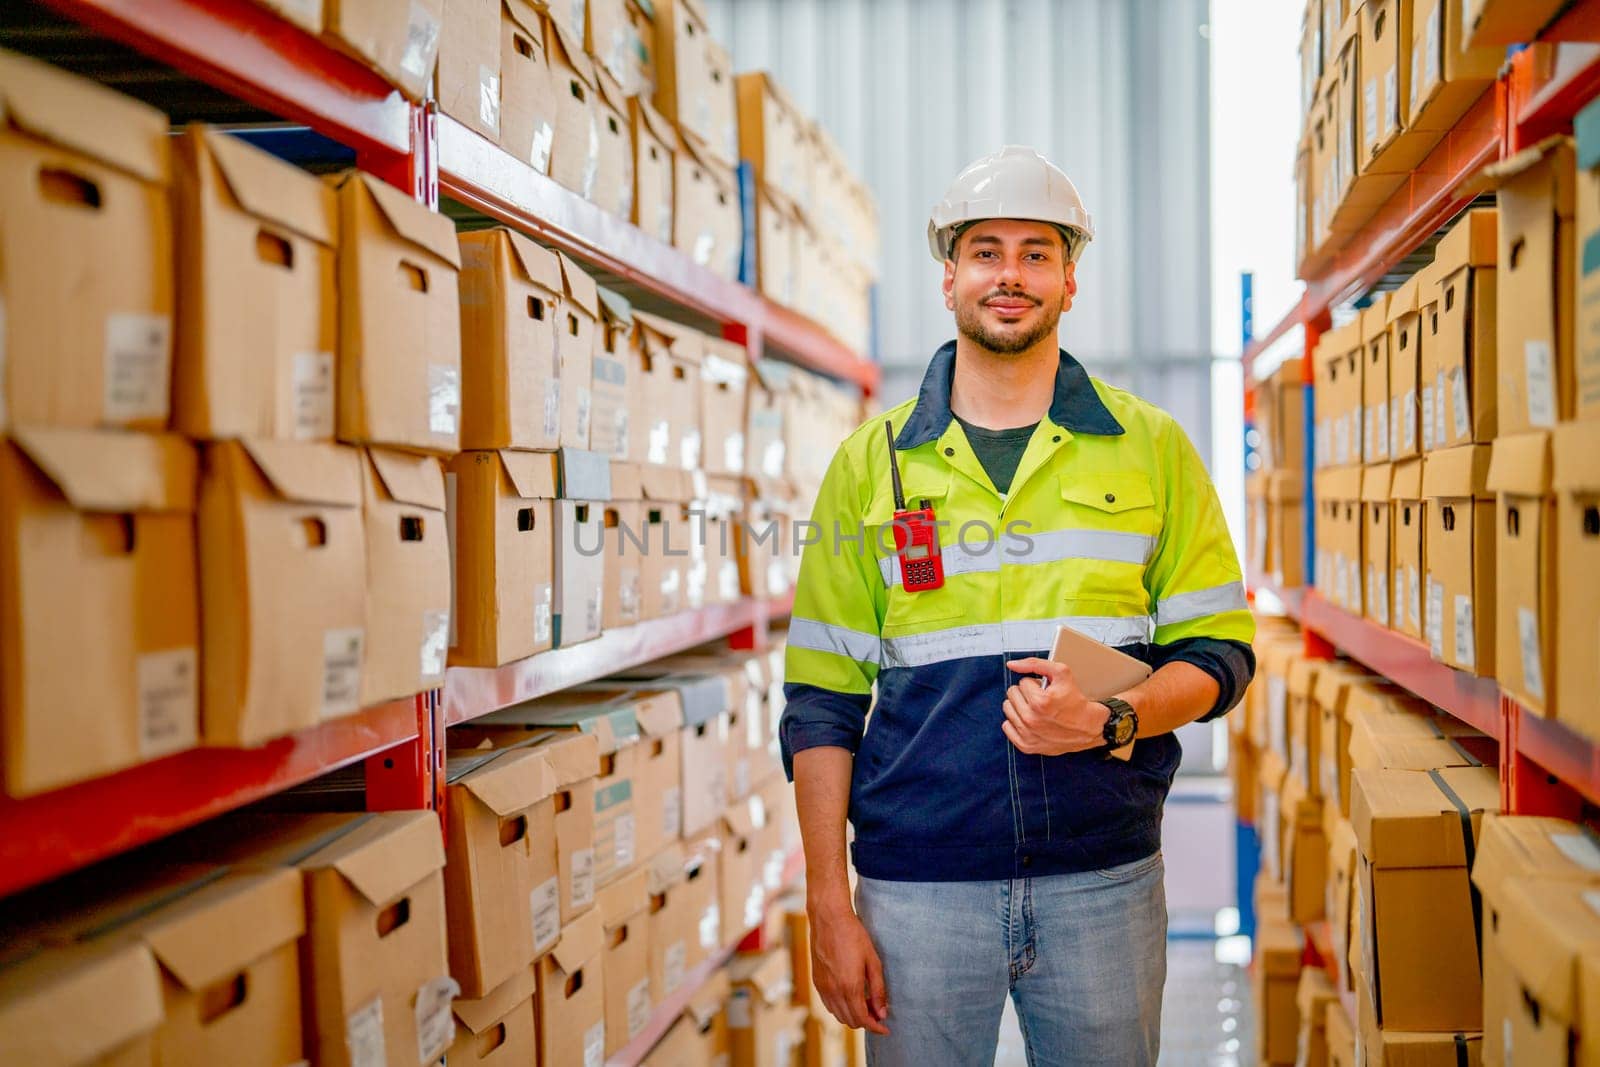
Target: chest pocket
[1116,522]
[931,609]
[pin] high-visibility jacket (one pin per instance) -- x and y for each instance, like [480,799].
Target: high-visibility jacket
[1111,526]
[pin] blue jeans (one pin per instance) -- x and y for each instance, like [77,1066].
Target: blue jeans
[1084,956]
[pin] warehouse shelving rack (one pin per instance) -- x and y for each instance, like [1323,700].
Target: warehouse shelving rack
[270,68]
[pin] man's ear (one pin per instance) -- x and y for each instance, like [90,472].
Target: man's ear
[1071,285]
[949,285]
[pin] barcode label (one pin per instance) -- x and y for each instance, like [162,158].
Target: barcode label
[169,689]
[545,904]
[311,395]
[138,367]
[1541,383]
[341,671]
[1466,644]
[1532,665]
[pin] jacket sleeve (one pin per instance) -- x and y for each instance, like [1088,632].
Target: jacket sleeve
[831,660]
[1201,616]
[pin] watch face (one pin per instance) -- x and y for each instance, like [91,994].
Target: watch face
[1125,729]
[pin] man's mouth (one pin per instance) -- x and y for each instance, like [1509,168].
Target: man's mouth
[1009,305]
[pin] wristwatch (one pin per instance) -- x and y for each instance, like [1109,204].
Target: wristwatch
[1122,724]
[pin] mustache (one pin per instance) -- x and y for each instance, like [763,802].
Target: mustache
[1002,294]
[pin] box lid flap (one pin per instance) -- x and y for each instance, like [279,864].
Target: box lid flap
[581,941]
[611,90]
[623,899]
[1520,464]
[1331,685]
[1403,301]
[1513,846]
[571,53]
[739,819]
[507,781]
[701,153]
[579,287]
[574,756]
[309,472]
[1303,676]
[1341,484]
[1375,482]
[409,478]
[386,855]
[769,974]
[663,483]
[1543,928]
[615,308]
[724,362]
[1576,465]
[529,17]
[77,1003]
[1280,947]
[1525,160]
[539,264]
[658,127]
[708,1001]
[1315,990]
[1407,481]
[666,869]
[515,992]
[428,230]
[1414,818]
[610,720]
[1457,472]
[585,475]
[103,470]
[626,480]
[269,188]
[532,474]
[1471,242]
[86,117]
[1375,318]
[226,924]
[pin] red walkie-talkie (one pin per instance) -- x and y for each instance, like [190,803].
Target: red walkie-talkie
[916,536]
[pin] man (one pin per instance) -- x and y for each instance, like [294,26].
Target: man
[1001,850]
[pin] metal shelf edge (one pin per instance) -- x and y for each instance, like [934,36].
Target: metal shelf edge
[1559,750]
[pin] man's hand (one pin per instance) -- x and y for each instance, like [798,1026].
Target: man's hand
[1051,721]
[847,972]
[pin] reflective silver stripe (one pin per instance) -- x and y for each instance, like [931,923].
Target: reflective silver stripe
[999,638]
[1186,607]
[841,641]
[1026,549]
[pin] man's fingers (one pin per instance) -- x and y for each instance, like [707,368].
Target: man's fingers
[877,998]
[1015,715]
[1014,737]
[1049,668]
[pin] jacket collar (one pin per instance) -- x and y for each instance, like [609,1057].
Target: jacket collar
[1076,406]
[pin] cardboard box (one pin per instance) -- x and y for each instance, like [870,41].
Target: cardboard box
[654,420]
[575,149]
[1343,871]
[706,221]
[88,293]
[1375,384]
[510,307]
[1586,388]
[1385,66]
[575,348]
[1576,632]
[1525,568]
[1305,851]
[1546,929]
[1304,722]
[580,546]
[572,995]
[1460,558]
[743,698]
[1406,355]
[705,741]
[497,1030]
[1388,1046]
[624,916]
[1459,372]
[1521,850]
[1312,998]
[468,69]
[86,1005]
[724,374]
[1416,928]
[719,510]
[408,575]
[625,546]
[1447,78]
[374,958]
[284,616]
[501,522]
[661,570]
[257,316]
[656,771]
[772,134]
[613,382]
[681,350]
[1337,368]
[1376,516]
[1273,773]
[1286,426]
[694,85]
[685,915]
[1276,661]
[1332,695]
[1276,980]
[765,1024]
[655,146]
[528,101]
[399,373]
[1415,743]
[1407,522]
[101,625]
[701,1034]
[402,47]
[741,865]
[1503,22]
[613,179]
[1339,538]
[1341,1037]
[1536,280]
[622,37]
[503,872]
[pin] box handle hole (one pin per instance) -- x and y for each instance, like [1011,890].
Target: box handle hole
[394,917]
[491,1039]
[222,997]
[1591,521]
[416,278]
[65,187]
[1513,522]
[513,830]
[563,801]
[535,309]
[411,527]
[270,248]
[1517,248]
[574,984]
[524,520]
[523,46]
[1447,515]
[313,532]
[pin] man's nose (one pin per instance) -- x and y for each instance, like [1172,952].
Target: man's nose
[1010,272]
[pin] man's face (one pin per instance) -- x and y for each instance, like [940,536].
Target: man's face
[1009,283]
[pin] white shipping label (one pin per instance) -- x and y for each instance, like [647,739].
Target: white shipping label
[1508,1043]
[1427,419]
[422,42]
[582,878]
[673,963]
[488,98]
[594,609]
[591,165]
[1380,432]
[450,537]
[689,450]
[341,671]
[739,1013]
[672,812]
[363,1036]
[620,429]
[733,452]
[711,928]
[1540,366]
[542,608]
[1532,664]
[585,405]
[435,643]
[705,243]
[1408,421]
[1391,91]
[552,408]
[1380,595]
[169,700]
[1394,426]
[658,441]
[638,1007]
[436,1025]
[1369,114]
[1436,618]
[1458,393]
[1416,63]
[444,399]
[544,137]
[1466,643]
[1580,849]
[629,593]
[741,778]
[772,871]
[1414,605]
[594,1045]
[138,367]
[1399,598]
[311,395]
[754,904]
[1431,71]
[626,837]
[545,904]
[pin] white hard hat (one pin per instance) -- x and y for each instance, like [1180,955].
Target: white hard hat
[1013,183]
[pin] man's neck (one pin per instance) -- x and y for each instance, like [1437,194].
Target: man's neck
[1000,392]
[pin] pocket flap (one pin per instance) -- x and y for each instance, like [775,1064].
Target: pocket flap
[1111,493]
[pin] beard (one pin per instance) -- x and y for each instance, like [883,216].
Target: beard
[1005,341]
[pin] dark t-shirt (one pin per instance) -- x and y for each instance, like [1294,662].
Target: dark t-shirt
[998,450]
